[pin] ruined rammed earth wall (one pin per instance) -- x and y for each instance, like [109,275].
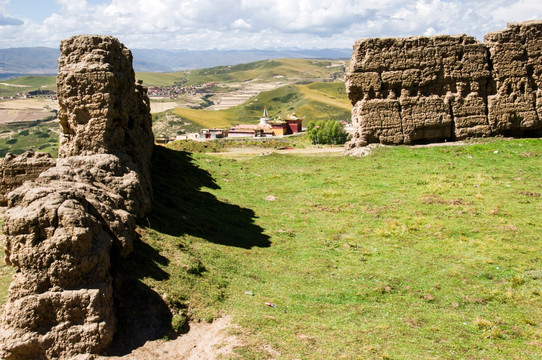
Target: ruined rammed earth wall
[61,229]
[428,89]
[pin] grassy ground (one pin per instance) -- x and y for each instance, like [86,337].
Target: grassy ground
[6,272]
[410,253]
[31,83]
[23,136]
[316,101]
[220,145]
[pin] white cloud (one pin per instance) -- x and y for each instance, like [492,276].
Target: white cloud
[5,19]
[518,11]
[242,24]
[9,21]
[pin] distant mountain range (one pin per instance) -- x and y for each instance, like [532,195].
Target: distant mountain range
[41,60]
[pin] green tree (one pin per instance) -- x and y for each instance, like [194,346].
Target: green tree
[326,132]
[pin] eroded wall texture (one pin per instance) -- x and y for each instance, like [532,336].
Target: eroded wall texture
[430,89]
[61,229]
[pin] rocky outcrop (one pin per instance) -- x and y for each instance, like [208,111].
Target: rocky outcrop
[426,89]
[61,230]
[15,170]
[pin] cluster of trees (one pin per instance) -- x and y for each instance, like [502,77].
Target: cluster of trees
[326,132]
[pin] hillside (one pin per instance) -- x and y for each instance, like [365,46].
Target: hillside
[291,70]
[314,101]
[293,80]
[26,84]
[304,70]
[29,60]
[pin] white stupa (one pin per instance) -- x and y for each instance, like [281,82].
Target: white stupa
[265,119]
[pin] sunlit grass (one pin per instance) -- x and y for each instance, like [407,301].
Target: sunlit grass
[410,253]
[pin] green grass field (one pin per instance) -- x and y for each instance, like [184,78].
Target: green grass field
[316,101]
[409,253]
[23,136]
[30,83]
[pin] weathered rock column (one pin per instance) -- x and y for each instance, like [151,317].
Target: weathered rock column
[60,230]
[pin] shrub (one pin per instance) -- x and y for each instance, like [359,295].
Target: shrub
[179,322]
[326,132]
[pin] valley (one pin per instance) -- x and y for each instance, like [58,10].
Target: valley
[187,101]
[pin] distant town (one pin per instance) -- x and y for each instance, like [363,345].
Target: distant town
[177,89]
[267,127]
[48,94]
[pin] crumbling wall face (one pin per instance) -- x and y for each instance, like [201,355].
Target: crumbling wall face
[516,54]
[102,108]
[15,170]
[426,89]
[61,229]
[418,89]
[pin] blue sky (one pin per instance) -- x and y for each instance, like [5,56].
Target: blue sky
[251,24]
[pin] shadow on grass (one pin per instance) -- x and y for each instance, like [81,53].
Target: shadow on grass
[142,313]
[180,207]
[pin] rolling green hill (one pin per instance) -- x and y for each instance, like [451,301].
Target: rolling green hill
[316,101]
[26,84]
[302,70]
[293,69]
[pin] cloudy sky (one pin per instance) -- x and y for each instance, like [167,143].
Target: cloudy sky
[251,24]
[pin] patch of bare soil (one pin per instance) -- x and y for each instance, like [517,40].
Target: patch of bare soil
[204,341]
[10,116]
[255,151]
[33,103]
[242,94]
[157,107]
[366,150]
[25,110]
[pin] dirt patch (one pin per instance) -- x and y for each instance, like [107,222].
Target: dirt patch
[25,110]
[15,85]
[435,199]
[243,93]
[11,116]
[34,103]
[158,107]
[203,341]
[250,152]
[528,193]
